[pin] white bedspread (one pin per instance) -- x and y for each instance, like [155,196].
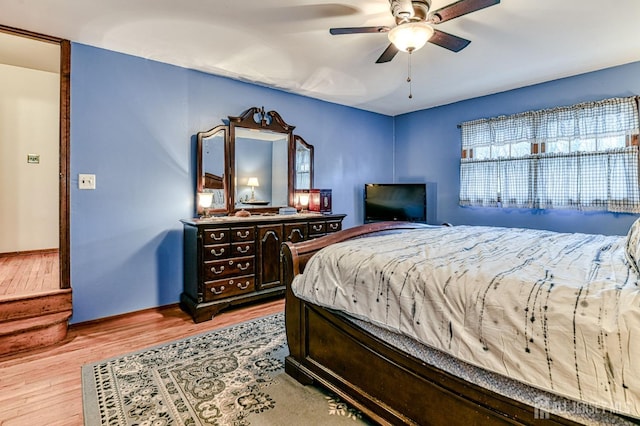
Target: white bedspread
[560,312]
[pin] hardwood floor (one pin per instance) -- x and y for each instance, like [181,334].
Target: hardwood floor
[43,387]
[29,273]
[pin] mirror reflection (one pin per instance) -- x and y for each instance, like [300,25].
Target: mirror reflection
[212,170]
[262,161]
[303,164]
[261,168]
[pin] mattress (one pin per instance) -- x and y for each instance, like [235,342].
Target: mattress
[559,312]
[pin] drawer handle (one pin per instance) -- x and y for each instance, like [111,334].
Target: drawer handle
[333,226]
[245,250]
[221,236]
[293,233]
[243,287]
[215,253]
[215,271]
[213,290]
[316,227]
[241,235]
[245,267]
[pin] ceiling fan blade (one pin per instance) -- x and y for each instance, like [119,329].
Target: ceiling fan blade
[359,30]
[388,54]
[448,41]
[459,8]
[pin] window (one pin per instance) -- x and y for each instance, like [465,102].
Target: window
[582,157]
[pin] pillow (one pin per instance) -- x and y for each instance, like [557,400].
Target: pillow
[632,248]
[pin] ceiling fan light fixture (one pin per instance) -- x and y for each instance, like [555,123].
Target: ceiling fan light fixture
[410,36]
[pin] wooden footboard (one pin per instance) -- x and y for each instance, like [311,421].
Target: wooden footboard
[386,384]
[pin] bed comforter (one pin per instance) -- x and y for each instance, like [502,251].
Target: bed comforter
[557,311]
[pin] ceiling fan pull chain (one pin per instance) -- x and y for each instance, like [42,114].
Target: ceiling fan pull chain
[409,74]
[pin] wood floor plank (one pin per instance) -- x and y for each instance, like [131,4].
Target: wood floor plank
[30,272]
[43,387]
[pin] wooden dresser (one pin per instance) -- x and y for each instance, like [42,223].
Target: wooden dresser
[234,260]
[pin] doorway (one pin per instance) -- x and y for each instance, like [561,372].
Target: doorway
[34,163]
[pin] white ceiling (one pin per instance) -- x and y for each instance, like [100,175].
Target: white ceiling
[286,44]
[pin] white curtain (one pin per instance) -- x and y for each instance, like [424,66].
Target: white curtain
[516,179]
[479,184]
[592,170]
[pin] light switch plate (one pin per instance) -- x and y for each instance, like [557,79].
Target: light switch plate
[86,181]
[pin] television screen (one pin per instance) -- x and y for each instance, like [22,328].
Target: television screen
[395,201]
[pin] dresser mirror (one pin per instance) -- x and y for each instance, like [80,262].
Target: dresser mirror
[303,163]
[255,163]
[261,168]
[213,175]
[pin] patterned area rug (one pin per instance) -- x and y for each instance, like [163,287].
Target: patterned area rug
[232,376]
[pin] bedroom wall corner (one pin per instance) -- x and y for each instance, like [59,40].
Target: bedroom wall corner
[428,148]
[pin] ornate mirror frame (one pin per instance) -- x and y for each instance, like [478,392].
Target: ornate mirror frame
[303,163]
[258,120]
[253,119]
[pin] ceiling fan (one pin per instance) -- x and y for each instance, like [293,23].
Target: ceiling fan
[414,26]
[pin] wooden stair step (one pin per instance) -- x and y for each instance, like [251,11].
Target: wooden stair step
[35,305]
[34,321]
[29,333]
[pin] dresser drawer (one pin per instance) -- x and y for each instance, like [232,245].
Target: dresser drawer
[243,249]
[295,232]
[228,287]
[216,236]
[334,225]
[217,252]
[225,268]
[316,228]
[243,234]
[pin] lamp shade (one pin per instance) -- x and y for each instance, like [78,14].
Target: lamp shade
[410,36]
[253,181]
[302,199]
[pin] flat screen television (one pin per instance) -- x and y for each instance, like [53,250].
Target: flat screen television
[395,201]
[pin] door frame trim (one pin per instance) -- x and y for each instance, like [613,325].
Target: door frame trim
[64,151]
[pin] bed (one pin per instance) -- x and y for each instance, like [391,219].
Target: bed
[486,353]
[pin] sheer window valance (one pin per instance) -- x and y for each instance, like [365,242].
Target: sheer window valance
[583,156]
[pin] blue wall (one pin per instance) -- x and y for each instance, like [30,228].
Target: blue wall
[133,124]
[428,149]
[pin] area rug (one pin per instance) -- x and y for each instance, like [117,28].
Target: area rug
[231,376]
